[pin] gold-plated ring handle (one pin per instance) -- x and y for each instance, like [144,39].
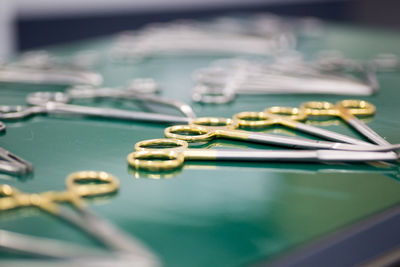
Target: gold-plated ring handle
[105,183]
[161,144]
[8,200]
[7,190]
[354,107]
[189,133]
[357,107]
[252,119]
[319,108]
[156,160]
[290,113]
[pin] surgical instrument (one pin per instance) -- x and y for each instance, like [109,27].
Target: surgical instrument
[289,73]
[12,164]
[136,85]
[228,78]
[50,76]
[140,90]
[40,68]
[79,185]
[20,112]
[63,252]
[291,117]
[390,171]
[98,261]
[332,60]
[261,36]
[208,128]
[43,59]
[346,110]
[169,154]
[42,247]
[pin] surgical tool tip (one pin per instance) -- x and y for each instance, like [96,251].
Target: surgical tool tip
[11,163]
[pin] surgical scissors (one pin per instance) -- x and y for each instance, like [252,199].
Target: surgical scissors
[79,185]
[391,171]
[292,117]
[208,128]
[43,247]
[170,154]
[51,107]
[141,90]
[347,111]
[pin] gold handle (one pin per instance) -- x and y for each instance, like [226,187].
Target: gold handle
[106,183]
[11,198]
[350,107]
[156,160]
[319,108]
[190,133]
[251,119]
[358,107]
[161,144]
[288,113]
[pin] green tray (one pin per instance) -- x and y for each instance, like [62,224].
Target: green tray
[207,214]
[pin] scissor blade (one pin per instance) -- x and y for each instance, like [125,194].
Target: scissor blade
[296,142]
[6,167]
[132,94]
[55,107]
[116,238]
[292,155]
[98,261]
[43,247]
[106,233]
[367,132]
[11,163]
[330,135]
[184,108]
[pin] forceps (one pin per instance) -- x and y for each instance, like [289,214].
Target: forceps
[12,164]
[141,91]
[292,117]
[12,74]
[208,128]
[169,154]
[100,183]
[347,111]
